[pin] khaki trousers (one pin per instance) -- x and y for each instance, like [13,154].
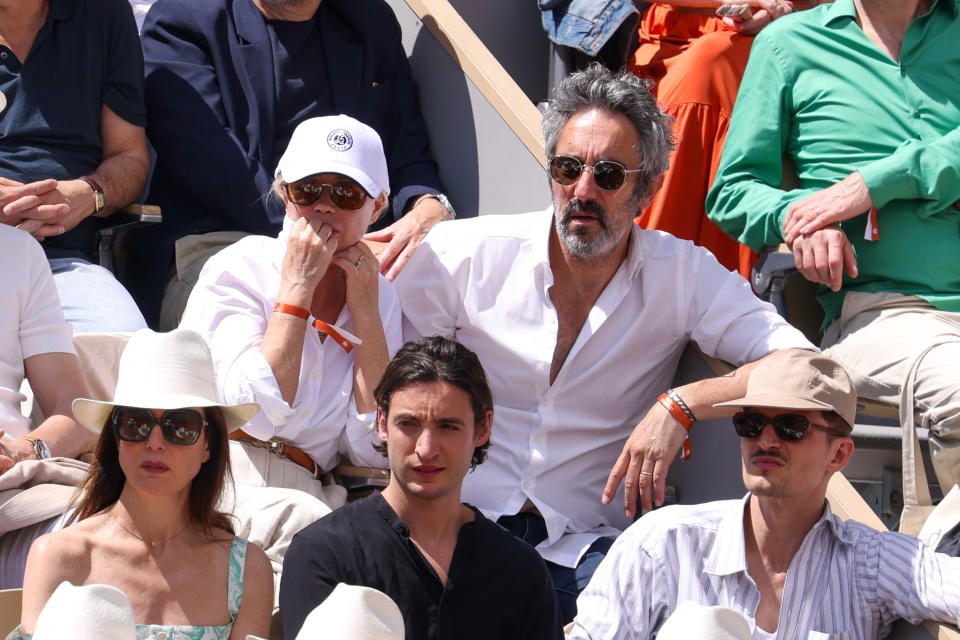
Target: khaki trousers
[877,339]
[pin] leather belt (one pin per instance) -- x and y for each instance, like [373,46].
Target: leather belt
[281,449]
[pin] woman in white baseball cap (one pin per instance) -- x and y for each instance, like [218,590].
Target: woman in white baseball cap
[146,520]
[304,324]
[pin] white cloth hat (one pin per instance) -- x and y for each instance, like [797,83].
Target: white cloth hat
[336,144]
[164,371]
[692,621]
[90,612]
[354,613]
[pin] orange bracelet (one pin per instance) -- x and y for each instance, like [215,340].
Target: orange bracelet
[680,416]
[291,310]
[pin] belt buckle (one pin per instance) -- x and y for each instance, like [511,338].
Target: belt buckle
[277,446]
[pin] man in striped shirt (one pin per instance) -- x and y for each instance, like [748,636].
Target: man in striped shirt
[779,556]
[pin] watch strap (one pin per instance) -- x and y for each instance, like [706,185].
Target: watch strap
[41,448]
[98,199]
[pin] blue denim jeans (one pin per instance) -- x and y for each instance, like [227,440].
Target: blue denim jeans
[92,299]
[567,582]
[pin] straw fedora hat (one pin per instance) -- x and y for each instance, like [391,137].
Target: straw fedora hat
[352,613]
[692,621]
[90,612]
[164,371]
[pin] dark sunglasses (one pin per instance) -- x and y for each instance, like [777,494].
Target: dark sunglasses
[608,174]
[789,427]
[346,194]
[179,426]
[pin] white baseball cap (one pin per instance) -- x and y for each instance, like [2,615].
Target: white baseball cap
[336,144]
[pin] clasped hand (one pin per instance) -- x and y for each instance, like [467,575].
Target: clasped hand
[44,208]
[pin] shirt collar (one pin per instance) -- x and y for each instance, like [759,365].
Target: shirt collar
[846,9]
[540,249]
[729,552]
[840,9]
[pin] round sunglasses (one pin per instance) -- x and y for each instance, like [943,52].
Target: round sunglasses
[789,427]
[345,194]
[608,174]
[179,426]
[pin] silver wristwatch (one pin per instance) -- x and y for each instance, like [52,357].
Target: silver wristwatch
[444,200]
[41,448]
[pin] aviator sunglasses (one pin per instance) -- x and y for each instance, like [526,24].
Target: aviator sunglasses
[789,427]
[345,194]
[179,426]
[608,174]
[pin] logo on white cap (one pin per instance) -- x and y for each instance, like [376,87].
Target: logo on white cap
[340,140]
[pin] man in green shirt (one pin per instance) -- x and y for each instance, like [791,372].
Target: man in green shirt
[863,96]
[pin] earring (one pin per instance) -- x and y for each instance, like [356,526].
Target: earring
[206,457]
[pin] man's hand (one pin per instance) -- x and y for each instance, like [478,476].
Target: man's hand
[12,191]
[50,207]
[394,245]
[842,201]
[768,11]
[644,461]
[13,452]
[824,255]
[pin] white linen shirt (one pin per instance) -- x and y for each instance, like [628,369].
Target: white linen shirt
[846,580]
[231,305]
[485,281]
[31,320]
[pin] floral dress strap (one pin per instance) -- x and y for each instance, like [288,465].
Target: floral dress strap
[238,556]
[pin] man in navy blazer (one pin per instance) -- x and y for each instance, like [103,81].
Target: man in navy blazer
[226,83]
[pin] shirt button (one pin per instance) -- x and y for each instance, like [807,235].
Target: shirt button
[526,484]
[3,55]
[538,438]
[916,113]
[316,374]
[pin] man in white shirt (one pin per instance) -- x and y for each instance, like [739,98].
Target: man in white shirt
[580,318]
[779,557]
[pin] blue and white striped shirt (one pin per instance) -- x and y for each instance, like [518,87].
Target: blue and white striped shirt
[846,580]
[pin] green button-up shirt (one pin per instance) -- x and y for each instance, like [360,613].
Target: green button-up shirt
[818,90]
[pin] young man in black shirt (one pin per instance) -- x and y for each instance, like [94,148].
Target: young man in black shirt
[452,572]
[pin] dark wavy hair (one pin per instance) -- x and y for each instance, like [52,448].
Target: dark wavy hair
[105,480]
[621,92]
[437,359]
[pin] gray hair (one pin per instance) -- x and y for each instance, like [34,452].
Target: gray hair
[621,92]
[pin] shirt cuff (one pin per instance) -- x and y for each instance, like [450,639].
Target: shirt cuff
[888,179]
[251,380]
[359,437]
[408,194]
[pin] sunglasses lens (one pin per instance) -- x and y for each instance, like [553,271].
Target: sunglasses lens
[181,426]
[749,425]
[790,427]
[565,169]
[304,192]
[132,424]
[609,175]
[348,195]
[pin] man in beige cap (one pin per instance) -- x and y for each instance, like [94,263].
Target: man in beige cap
[779,557]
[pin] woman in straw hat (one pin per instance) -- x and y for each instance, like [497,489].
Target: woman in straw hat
[304,323]
[146,521]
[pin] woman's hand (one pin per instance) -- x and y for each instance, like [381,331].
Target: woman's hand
[310,249]
[363,287]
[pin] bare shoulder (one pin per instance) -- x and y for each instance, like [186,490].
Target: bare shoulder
[54,558]
[256,603]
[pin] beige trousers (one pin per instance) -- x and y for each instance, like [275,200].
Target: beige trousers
[273,498]
[191,253]
[877,339]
